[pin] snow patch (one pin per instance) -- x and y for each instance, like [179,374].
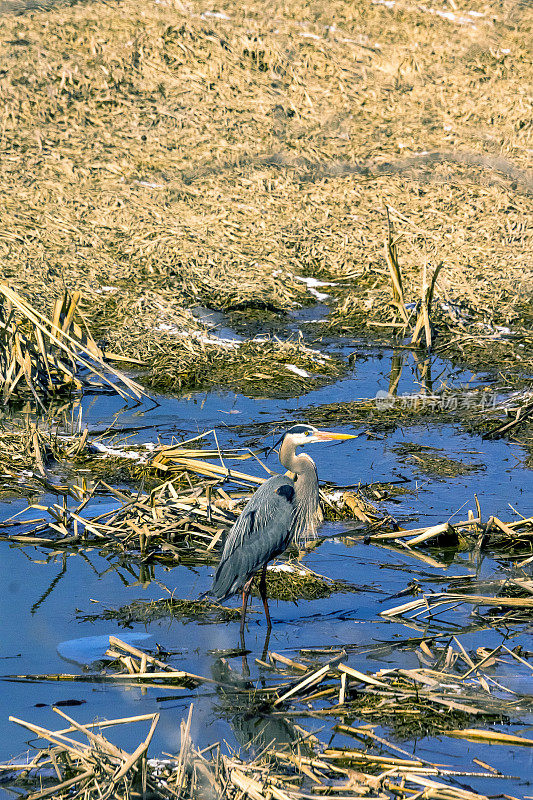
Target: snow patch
[320,296]
[214,15]
[312,283]
[285,568]
[111,452]
[335,497]
[297,371]
[149,185]
[198,336]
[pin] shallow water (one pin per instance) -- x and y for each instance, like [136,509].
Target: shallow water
[42,591]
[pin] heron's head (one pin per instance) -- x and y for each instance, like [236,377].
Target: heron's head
[301,435]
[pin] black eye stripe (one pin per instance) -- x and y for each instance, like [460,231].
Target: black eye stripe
[296,430]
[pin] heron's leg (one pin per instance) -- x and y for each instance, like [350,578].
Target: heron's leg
[245,595]
[263,593]
[265,646]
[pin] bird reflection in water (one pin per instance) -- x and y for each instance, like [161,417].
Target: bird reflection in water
[254,725]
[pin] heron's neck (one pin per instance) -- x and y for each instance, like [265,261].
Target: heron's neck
[300,465]
[307,508]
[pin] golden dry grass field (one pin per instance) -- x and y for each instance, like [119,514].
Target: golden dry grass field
[162,155]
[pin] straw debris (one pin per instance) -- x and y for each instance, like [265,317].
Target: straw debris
[507,538]
[42,357]
[299,766]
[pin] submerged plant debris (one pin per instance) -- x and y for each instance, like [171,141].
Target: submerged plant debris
[432,461]
[484,411]
[147,611]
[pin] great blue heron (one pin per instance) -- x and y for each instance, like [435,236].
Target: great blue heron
[280,510]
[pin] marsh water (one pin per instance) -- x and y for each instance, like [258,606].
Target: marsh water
[46,597]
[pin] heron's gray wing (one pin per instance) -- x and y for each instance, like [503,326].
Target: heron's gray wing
[262,532]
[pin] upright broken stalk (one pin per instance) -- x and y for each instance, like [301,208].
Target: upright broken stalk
[391,254]
[424,314]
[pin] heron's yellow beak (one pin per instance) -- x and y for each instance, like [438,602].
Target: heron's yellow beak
[327,436]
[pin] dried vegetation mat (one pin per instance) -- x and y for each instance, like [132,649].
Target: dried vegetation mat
[181,519]
[164,156]
[43,358]
[455,694]
[192,496]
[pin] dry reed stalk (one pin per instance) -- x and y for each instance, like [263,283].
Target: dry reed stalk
[47,354]
[427,290]
[493,737]
[430,601]
[310,680]
[391,253]
[103,770]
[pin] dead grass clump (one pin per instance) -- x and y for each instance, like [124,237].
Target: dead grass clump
[33,453]
[257,367]
[176,352]
[147,611]
[30,450]
[354,504]
[290,582]
[168,525]
[181,520]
